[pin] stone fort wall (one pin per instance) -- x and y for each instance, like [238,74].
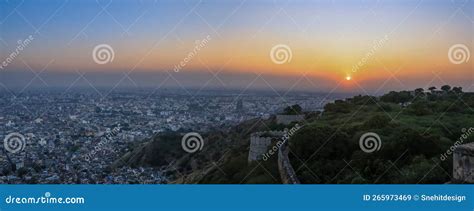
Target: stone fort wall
[259,145]
[287,173]
[463,164]
[260,141]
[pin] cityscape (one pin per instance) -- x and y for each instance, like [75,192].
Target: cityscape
[150,92]
[67,137]
[228,105]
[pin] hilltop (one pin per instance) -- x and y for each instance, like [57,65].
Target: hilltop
[415,127]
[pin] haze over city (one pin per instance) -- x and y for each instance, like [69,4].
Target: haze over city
[236,92]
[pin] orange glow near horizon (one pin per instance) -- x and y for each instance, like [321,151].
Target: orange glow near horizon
[317,60]
[336,48]
[328,63]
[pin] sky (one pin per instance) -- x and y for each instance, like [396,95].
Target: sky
[364,46]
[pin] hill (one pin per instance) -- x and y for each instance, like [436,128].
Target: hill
[416,128]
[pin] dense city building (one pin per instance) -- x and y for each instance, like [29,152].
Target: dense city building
[75,137]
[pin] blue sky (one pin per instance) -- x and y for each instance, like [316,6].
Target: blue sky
[326,37]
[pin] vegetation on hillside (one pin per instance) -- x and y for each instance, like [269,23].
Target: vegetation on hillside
[415,128]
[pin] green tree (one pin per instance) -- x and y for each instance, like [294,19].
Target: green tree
[432,89]
[377,121]
[293,110]
[446,88]
[457,90]
[419,108]
[339,106]
[419,90]
[397,97]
